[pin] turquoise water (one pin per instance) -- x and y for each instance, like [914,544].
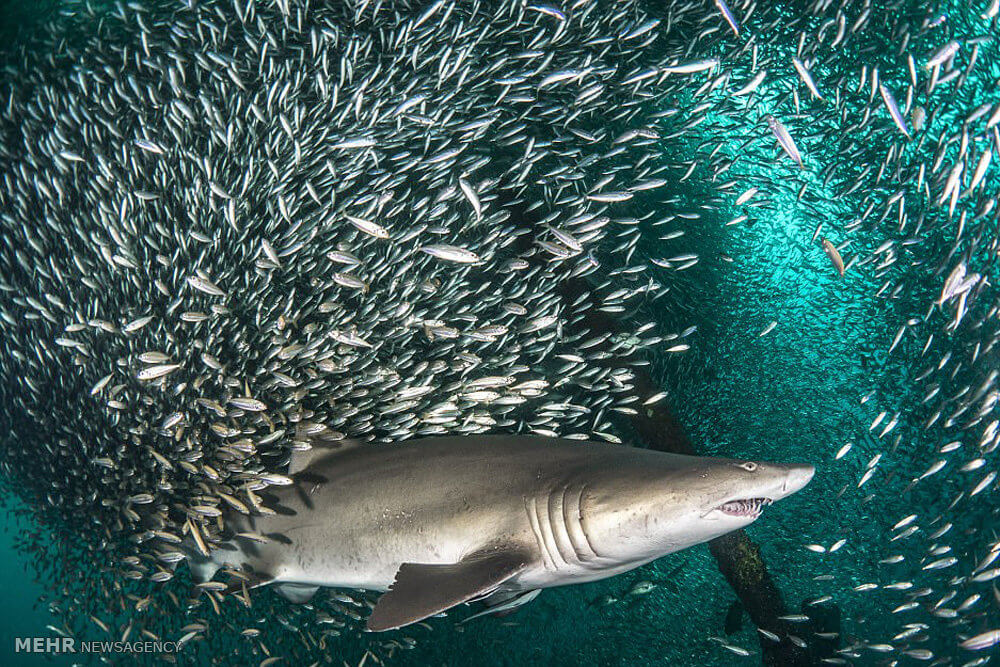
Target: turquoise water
[23,615]
[794,393]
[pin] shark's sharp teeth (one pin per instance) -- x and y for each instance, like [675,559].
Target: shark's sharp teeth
[745,506]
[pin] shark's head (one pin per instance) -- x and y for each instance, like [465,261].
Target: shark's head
[672,502]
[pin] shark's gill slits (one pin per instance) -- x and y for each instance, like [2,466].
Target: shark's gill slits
[745,506]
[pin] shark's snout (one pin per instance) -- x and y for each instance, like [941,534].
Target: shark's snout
[798,476]
[780,482]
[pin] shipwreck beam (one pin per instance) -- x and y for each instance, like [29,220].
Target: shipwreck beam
[738,557]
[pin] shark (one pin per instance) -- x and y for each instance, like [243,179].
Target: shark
[436,522]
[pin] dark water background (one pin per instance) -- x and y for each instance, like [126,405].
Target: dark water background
[21,615]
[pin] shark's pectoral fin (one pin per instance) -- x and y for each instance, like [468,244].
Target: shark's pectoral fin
[424,590]
[297,593]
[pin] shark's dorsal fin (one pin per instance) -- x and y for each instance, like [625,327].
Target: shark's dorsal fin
[421,591]
[319,445]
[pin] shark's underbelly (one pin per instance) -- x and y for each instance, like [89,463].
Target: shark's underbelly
[367,543]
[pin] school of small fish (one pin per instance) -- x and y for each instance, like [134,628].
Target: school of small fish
[229,225]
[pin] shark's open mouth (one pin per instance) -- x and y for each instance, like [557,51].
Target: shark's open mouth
[745,507]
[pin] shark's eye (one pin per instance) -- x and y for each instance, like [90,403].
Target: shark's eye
[749,466]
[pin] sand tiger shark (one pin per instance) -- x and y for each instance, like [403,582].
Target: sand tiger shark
[440,521]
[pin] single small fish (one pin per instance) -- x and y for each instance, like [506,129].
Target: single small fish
[691,68]
[981,166]
[149,146]
[935,467]
[247,403]
[275,479]
[137,324]
[548,11]
[941,563]
[784,139]
[738,650]
[982,641]
[942,54]
[470,194]
[890,104]
[745,197]
[511,604]
[834,255]
[452,254]
[769,635]
[806,77]
[356,142]
[655,398]
[270,252]
[157,371]
[752,85]
[640,30]
[101,384]
[368,227]
[610,197]
[728,15]
[206,286]
[983,483]
[641,588]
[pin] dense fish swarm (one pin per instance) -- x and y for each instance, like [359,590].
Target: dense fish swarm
[228,226]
